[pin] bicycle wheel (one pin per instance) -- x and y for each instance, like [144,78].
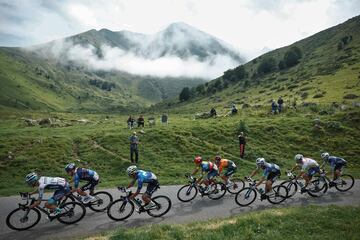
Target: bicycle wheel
[23,218]
[238,184]
[102,201]
[72,212]
[120,210]
[347,182]
[291,187]
[317,187]
[279,194]
[163,205]
[187,193]
[217,191]
[245,197]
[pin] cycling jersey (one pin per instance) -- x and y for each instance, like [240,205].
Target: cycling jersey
[55,183]
[84,174]
[224,163]
[270,168]
[208,166]
[335,161]
[308,163]
[144,177]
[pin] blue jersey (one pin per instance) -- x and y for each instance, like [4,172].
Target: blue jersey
[84,174]
[333,161]
[144,177]
[207,166]
[269,168]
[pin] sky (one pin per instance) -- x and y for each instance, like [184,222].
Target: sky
[251,26]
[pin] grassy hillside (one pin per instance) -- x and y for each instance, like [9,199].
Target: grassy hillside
[309,222]
[28,81]
[328,71]
[169,150]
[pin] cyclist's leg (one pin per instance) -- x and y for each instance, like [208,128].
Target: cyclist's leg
[151,188]
[84,188]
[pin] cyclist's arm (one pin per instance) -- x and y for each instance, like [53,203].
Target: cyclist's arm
[137,190]
[195,171]
[260,181]
[254,172]
[295,167]
[323,164]
[131,183]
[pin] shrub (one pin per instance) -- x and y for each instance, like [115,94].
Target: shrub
[292,56]
[267,65]
[350,96]
[185,94]
[242,127]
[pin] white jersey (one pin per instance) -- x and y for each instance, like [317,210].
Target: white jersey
[308,163]
[50,183]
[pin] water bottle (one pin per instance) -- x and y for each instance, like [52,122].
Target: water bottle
[301,184]
[138,201]
[261,191]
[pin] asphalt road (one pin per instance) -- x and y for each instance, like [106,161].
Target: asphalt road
[201,208]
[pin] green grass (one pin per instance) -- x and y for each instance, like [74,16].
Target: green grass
[168,151]
[310,222]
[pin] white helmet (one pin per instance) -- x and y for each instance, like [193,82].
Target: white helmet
[31,178]
[131,170]
[260,161]
[325,155]
[298,157]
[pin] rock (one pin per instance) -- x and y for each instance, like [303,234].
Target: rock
[245,105]
[83,121]
[343,107]
[308,104]
[356,104]
[44,121]
[30,122]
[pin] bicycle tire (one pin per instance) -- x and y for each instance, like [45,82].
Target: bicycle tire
[98,204]
[11,214]
[190,190]
[156,200]
[69,208]
[319,189]
[281,194]
[120,205]
[251,195]
[238,185]
[291,187]
[352,182]
[217,190]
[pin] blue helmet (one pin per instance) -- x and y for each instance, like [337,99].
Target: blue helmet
[31,178]
[69,167]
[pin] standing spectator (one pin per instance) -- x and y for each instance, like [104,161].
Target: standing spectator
[280,103]
[130,122]
[164,118]
[140,121]
[134,141]
[274,107]
[242,143]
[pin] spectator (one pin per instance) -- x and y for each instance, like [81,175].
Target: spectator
[242,143]
[212,112]
[130,122]
[134,141]
[274,107]
[164,119]
[140,121]
[233,109]
[280,104]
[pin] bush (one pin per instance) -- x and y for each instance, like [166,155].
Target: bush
[267,65]
[292,57]
[350,96]
[242,127]
[185,94]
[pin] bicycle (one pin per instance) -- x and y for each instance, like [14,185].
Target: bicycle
[247,195]
[346,182]
[189,191]
[124,207]
[236,185]
[101,202]
[27,217]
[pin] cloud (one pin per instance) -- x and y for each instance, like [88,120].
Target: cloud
[113,58]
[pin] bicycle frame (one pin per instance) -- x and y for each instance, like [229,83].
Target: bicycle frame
[26,196]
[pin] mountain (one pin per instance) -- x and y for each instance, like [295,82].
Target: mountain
[111,71]
[323,69]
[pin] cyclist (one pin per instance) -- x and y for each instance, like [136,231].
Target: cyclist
[271,172]
[309,167]
[143,177]
[60,185]
[336,165]
[206,167]
[230,169]
[88,175]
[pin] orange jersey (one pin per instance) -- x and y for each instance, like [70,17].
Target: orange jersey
[224,163]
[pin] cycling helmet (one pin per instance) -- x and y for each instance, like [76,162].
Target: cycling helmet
[325,155]
[260,161]
[31,178]
[198,160]
[298,157]
[69,167]
[217,158]
[131,170]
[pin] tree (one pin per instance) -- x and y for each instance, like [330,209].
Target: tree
[267,65]
[292,56]
[185,94]
[240,72]
[200,89]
